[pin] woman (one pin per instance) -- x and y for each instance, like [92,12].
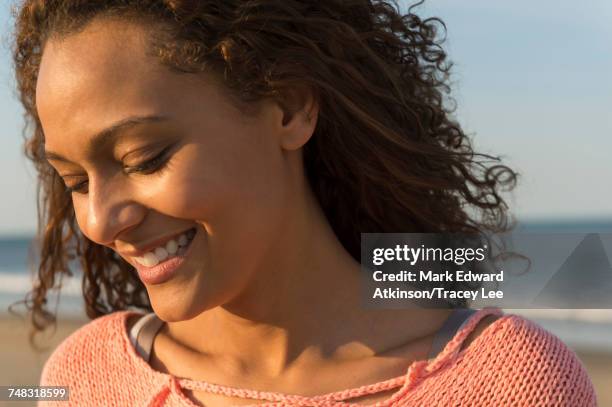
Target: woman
[212,164]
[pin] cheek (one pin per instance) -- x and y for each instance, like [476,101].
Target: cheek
[240,198]
[204,183]
[79,203]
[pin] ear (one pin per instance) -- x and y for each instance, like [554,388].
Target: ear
[299,119]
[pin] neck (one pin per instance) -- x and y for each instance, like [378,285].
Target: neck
[302,307]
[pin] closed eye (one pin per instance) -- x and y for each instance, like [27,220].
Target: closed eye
[78,187]
[147,167]
[151,165]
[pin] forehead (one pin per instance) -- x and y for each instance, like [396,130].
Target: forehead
[99,76]
[107,52]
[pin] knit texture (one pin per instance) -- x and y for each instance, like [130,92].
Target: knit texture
[513,362]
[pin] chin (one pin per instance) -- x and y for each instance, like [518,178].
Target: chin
[178,306]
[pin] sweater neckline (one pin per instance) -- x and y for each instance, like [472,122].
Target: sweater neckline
[415,372]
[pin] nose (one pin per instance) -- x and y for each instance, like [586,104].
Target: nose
[111,211]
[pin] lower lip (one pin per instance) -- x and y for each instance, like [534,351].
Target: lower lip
[164,271]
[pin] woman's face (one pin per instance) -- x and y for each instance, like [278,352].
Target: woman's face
[152,154]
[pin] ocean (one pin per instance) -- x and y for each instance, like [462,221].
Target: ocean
[586,330]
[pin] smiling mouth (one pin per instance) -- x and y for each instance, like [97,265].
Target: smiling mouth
[172,248]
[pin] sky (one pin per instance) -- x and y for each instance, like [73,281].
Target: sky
[532,81]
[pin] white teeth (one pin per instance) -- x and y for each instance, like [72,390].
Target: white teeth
[161,254]
[149,259]
[171,246]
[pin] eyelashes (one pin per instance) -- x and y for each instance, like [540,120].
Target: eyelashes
[150,166]
[76,188]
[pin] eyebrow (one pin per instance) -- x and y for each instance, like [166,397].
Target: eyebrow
[109,133]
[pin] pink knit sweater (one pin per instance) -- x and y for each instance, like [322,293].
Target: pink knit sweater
[513,362]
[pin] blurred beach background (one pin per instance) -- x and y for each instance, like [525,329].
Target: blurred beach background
[532,84]
[587,332]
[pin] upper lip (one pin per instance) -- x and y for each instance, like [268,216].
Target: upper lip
[141,250]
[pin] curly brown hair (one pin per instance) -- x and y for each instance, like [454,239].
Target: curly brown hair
[386,155]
